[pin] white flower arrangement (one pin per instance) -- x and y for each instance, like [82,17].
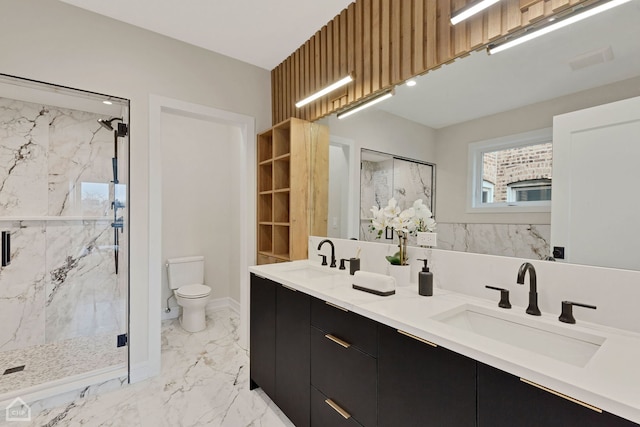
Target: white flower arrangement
[417,218]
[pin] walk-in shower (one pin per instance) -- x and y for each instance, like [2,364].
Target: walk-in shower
[63,216]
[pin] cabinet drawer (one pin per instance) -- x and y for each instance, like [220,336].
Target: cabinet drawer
[345,375]
[351,327]
[323,414]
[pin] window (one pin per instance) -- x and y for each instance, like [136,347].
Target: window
[487,191]
[533,190]
[511,173]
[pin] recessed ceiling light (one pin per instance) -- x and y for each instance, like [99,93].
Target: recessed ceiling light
[411,83]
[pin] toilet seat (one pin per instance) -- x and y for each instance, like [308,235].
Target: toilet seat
[193,291]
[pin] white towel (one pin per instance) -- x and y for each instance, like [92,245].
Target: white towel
[375,281]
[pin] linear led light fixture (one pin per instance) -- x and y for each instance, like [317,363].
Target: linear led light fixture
[343,81]
[366,104]
[470,10]
[555,25]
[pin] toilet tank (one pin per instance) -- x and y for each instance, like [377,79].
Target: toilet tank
[185,271]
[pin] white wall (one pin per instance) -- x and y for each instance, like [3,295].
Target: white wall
[338,219]
[199,199]
[57,43]
[453,144]
[380,131]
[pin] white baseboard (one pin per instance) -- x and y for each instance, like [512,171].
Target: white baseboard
[213,305]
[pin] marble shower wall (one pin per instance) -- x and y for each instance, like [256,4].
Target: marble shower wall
[55,164]
[404,180]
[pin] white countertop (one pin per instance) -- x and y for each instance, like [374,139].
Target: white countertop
[610,380]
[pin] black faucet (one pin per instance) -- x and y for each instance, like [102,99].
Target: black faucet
[333,251]
[533,290]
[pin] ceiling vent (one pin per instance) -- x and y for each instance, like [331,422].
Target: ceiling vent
[594,57]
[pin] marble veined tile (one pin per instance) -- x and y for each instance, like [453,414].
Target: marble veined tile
[83,295]
[80,168]
[22,287]
[529,241]
[204,381]
[24,144]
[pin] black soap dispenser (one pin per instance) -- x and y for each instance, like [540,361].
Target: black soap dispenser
[425,280]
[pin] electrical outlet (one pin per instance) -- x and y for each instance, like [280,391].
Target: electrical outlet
[427,239]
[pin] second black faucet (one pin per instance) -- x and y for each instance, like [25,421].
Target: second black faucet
[533,289]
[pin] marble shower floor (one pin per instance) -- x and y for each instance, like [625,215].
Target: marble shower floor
[204,381]
[64,359]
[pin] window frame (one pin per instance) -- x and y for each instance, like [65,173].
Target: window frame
[475,179]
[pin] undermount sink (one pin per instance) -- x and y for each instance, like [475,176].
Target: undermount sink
[308,272]
[573,347]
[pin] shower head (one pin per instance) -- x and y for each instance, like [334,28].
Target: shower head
[107,123]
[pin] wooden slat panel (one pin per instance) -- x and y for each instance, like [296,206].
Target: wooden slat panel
[312,74]
[324,80]
[351,49]
[344,68]
[476,32]
[535,12]
[557,5]
[406,39]
[459,31]
[375,45]
[366,47]
[494,22]
[395,44]
[306,113]
[418,37]
[385,42]
[431,34]
[444,48]
[513,16]
[335,60]
[359,47]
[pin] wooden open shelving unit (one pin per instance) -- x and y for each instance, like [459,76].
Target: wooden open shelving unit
[289,155]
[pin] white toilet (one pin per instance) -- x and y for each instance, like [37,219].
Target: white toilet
[185,279]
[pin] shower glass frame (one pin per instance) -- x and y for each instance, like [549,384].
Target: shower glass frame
[80,105]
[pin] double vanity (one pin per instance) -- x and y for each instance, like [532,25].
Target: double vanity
[330,355]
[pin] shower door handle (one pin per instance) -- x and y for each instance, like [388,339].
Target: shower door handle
[6,248]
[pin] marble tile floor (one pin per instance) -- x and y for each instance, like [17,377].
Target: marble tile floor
[204,381]
[63,359]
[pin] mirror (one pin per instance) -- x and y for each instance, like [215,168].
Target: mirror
[482,97]
[382,177]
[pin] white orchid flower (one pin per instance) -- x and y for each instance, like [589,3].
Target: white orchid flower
[392,210]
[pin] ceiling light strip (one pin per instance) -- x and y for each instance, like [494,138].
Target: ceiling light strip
[366,104]
[343,81]
[556,25]
[470,10]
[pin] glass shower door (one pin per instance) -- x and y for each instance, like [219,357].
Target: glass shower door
[63,204]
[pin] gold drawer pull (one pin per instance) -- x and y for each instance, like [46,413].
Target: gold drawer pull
[417,338]
[336,306]
[564,396]
[338,409]
[288,287]
[338,341]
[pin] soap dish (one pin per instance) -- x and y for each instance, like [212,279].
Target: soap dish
[373,291]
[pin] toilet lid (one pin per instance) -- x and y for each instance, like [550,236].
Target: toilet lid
[193,291]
